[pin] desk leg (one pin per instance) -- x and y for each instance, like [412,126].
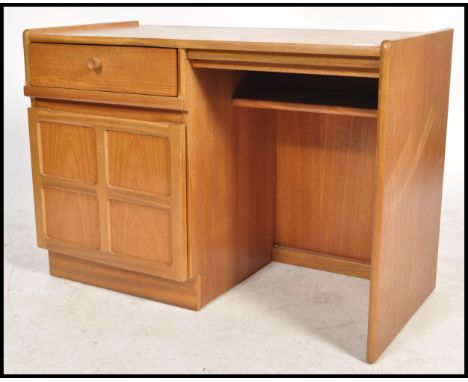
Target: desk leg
[413,103]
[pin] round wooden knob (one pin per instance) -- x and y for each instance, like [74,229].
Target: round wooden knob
[94,63]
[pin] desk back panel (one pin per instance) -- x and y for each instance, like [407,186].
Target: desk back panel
[325,183]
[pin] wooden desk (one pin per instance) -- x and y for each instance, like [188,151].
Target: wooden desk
[173,162]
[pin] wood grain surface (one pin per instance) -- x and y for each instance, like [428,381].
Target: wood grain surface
[304,107]
[124,112]
[107,223]
[230,193]
[413,106]
[105,98]
[140,231]
[71,217]
[68,151]
[325,183]
[139,162]
[212,180]
[286,63]
[256,188]
[123,69]
[322,261]
[288,60]
[316,41]
[184,294]
[154,175]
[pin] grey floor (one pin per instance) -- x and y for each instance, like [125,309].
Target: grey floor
[284,319]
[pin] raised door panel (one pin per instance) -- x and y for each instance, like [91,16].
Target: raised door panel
[111,190]
[72,217]
[140,231]
[139,162]
[68,151]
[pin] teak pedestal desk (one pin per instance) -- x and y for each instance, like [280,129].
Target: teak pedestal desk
[173,162]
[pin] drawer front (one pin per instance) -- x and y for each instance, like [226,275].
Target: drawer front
[151,71]
[111,190]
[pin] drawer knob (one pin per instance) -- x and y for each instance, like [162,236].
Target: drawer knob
[94,64]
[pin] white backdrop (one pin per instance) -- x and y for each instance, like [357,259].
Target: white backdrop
[18,183]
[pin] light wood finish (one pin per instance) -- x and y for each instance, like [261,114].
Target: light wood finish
[68,151]
[256,189]
[35,144]
[304,107]
[67,184]
[101,190]
[139,197]
[182,72]
[71,217]
[268,62]
[130,234]
[134,113]
[104,257]
[160,129]
[413,106]
[325,183]
[116,69]
[313,41]
[285,69]
[27,32]
[139,162]
[83,27]
[94,64]
[322,261]
[212,190]
[221,196]
[173,162]
[186,294]
[110,225]
[100,97]
[26,44]
[289,60]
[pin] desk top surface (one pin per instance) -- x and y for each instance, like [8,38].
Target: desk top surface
[314,41]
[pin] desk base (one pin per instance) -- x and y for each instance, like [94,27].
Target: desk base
[322,261]
[185,294]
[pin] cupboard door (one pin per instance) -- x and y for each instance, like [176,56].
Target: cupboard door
[111,190]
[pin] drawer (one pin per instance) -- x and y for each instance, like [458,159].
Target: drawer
[151,71]
[111,190]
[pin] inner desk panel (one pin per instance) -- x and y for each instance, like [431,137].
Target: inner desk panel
[325,183]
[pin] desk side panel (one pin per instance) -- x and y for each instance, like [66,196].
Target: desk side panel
[230,190]
[413,104]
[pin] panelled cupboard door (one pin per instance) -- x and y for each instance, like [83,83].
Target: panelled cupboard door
[111,190]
